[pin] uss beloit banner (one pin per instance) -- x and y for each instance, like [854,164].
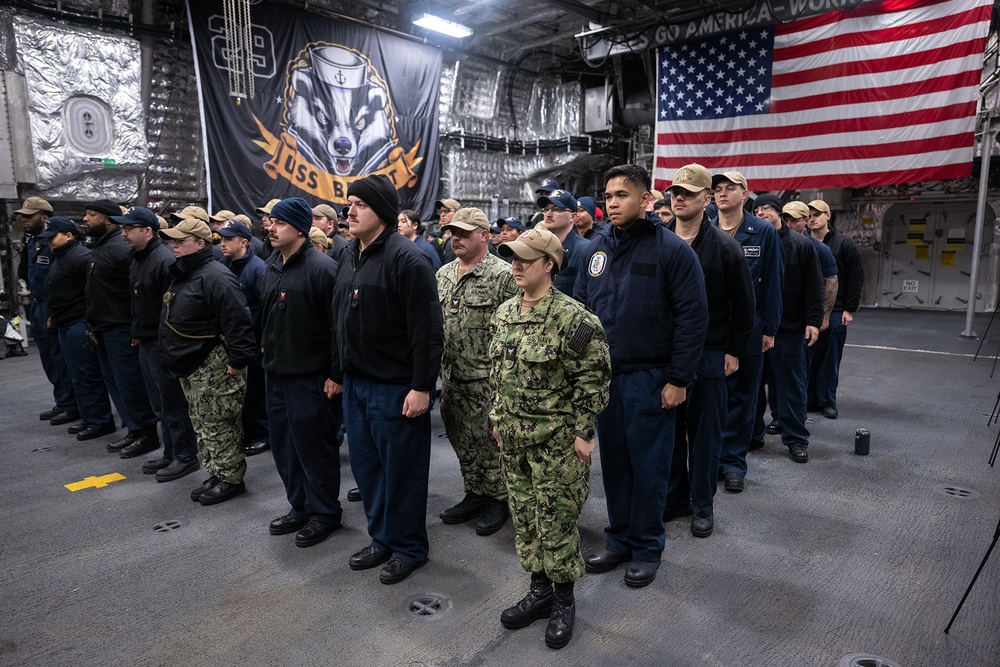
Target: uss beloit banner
[333,102]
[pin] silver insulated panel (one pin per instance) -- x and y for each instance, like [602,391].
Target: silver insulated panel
[85,110]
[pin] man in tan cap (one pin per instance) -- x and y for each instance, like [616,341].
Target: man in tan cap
[825,357]
[470,289]
[203,307]
[34,214]
[325,218]
[446,209]
[762,249]
[265,220]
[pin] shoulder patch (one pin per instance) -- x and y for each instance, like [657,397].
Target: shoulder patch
[581,339]
[597,263]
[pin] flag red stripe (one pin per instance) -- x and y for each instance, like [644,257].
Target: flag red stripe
[804,156]
[879,95]
[858,67]
[868,9]
[867,124]
[881,37]
[862,180]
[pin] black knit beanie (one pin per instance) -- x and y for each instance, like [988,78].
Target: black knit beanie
[380,194]
[295,211]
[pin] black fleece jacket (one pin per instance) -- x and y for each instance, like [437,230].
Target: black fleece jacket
[150,276]
[66,284]
[388,321]
[205,307]
[802,292]
[728,286]
[108,287]
[296,300]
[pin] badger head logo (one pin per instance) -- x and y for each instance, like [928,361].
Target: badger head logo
[339,110]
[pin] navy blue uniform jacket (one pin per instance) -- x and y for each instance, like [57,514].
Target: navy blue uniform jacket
[647,287]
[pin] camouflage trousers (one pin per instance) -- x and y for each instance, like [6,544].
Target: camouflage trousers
[215,402]
[465,411]
[546,488]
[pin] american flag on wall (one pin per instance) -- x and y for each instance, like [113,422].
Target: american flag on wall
[883,94]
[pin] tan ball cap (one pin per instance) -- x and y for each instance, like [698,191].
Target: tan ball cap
[533,244]
[693,178]
[33,205]
[186,228]
[469,219]
[820,205]
[796,209]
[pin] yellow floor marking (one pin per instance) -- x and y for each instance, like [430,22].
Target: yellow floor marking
[95,482]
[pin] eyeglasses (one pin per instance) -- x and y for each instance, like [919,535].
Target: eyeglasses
[179,242]
[763,209]
[553,209]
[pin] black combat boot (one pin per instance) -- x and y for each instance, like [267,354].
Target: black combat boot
[560,629]
[535,605]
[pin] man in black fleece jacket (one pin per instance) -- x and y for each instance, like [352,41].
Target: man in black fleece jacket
[388,327]
[150,277]
[296,296]
[109,319]
[694,470]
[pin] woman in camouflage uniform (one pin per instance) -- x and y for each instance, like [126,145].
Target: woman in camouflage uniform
[550,376]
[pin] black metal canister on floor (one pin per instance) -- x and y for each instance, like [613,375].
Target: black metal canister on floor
[862,441]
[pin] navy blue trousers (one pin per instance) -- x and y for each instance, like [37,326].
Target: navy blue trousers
[788,362]
[767,397]
[169,405]
[255,405]
[305,450]
[741,409]
[123,379]
[390,459]
[636,446]
[53,362]
[824,363]
[85,373]
[698,437]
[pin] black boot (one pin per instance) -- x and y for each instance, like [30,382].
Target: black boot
[560,629]
[535,605]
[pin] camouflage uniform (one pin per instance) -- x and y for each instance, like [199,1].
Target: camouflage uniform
[215,401]
[550,378]
[468,304]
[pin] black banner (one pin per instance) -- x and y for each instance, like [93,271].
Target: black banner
[333,102]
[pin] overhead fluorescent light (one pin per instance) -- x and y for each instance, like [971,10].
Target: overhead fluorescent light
[444,26]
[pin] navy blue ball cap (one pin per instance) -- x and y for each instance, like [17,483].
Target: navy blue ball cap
[514,223]
[57,224]
[233,228]
[560,198]
[137,216]
[548,185]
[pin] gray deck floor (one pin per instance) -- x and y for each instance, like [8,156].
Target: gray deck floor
[841,556]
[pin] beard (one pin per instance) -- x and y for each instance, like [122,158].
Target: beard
[96,231]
